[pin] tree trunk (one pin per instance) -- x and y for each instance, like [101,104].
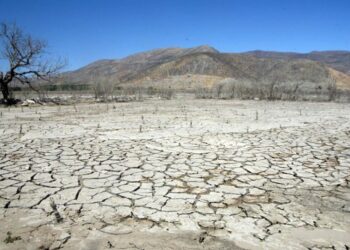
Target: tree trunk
[5,91]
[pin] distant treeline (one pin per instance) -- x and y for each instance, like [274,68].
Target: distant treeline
[275,90]
[58,87]
[228,88]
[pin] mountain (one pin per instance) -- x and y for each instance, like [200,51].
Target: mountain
[339,60]
[205,66]
[129,67]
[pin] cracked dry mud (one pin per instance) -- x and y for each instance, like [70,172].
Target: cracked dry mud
[180,174]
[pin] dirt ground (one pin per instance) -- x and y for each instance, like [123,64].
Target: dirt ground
[176,174]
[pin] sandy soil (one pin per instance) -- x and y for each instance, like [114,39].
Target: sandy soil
[179,174]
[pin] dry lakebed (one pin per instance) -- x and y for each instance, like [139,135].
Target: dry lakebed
[176,174]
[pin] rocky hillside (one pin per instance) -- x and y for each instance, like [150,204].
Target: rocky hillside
[130,67]
[237,66]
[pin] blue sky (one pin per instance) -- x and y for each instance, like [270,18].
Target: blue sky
[87,30]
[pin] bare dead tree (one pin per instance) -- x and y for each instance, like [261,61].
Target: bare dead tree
[103,87]
[295,91]
[271,94]
[25,58]
[332,89]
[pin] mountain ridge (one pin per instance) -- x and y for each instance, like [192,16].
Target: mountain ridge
[256,66]
[337,59]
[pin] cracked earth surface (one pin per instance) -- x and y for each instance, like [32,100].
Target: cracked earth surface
[180,174]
